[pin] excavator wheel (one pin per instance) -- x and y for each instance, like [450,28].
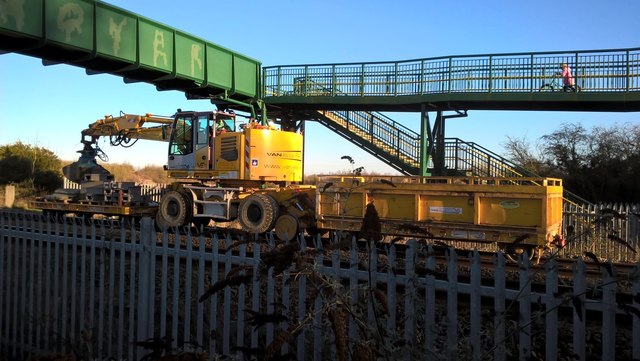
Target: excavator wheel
[257,213]
[173,210]
[287,227]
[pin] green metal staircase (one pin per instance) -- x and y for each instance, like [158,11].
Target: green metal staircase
[399,147]
[468,158]
[471,159]
[377,134]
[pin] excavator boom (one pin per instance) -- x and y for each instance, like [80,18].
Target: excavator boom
[131,126]
[123,130]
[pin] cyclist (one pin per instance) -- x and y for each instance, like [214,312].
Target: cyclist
[568,83]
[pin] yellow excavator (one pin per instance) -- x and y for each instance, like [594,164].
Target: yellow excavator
[225,170]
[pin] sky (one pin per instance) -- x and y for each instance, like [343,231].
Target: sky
[48,106]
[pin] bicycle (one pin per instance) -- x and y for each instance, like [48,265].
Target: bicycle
[556,85]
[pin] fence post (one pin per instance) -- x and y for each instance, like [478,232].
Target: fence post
[475,305]
[430,331]
[524,301]
[9,196]
[579,313]
[552,303]
[452,304]
[636,304]
[391,288]
[609,307]
[409,301]
[499,306]
[145,277]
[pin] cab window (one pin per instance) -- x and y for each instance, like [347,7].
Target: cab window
[182,137]
[203,130]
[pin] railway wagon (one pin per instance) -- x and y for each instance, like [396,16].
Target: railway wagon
[516,214]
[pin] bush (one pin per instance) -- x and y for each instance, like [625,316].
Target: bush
[22,161]
[32,168]
[15,169]
[48,180]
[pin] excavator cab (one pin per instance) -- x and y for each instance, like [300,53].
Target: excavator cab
[193,138]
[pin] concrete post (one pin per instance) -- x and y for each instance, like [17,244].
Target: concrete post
[9,196]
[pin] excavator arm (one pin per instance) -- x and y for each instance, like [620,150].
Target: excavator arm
[127,127]
[123,130]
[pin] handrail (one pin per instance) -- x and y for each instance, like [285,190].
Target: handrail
[379,130]
[376,128]
[615,70]
[501,163]
[464,56]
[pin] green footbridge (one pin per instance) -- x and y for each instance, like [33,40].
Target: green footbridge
[347,98]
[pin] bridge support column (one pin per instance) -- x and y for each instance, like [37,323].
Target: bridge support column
[426,140]
[432,142]
[438,138]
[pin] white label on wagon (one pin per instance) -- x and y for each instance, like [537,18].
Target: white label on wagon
[477,235]
[445,210]
[460,234]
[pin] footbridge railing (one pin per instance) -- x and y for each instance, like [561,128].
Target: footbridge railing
[379,135]
[615,70]
[475,160]
[472,159]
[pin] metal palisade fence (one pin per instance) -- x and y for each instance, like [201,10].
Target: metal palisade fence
[104,290]
[610,231]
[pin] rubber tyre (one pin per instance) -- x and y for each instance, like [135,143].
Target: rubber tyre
[173,210]
[257,213]
[287,227]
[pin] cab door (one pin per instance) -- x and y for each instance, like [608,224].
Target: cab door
[183,142]
[190,144]
[204,137]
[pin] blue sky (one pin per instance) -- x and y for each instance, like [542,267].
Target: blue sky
[48,106]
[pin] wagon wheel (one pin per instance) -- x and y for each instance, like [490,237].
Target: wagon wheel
[287,227]
[513,252]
